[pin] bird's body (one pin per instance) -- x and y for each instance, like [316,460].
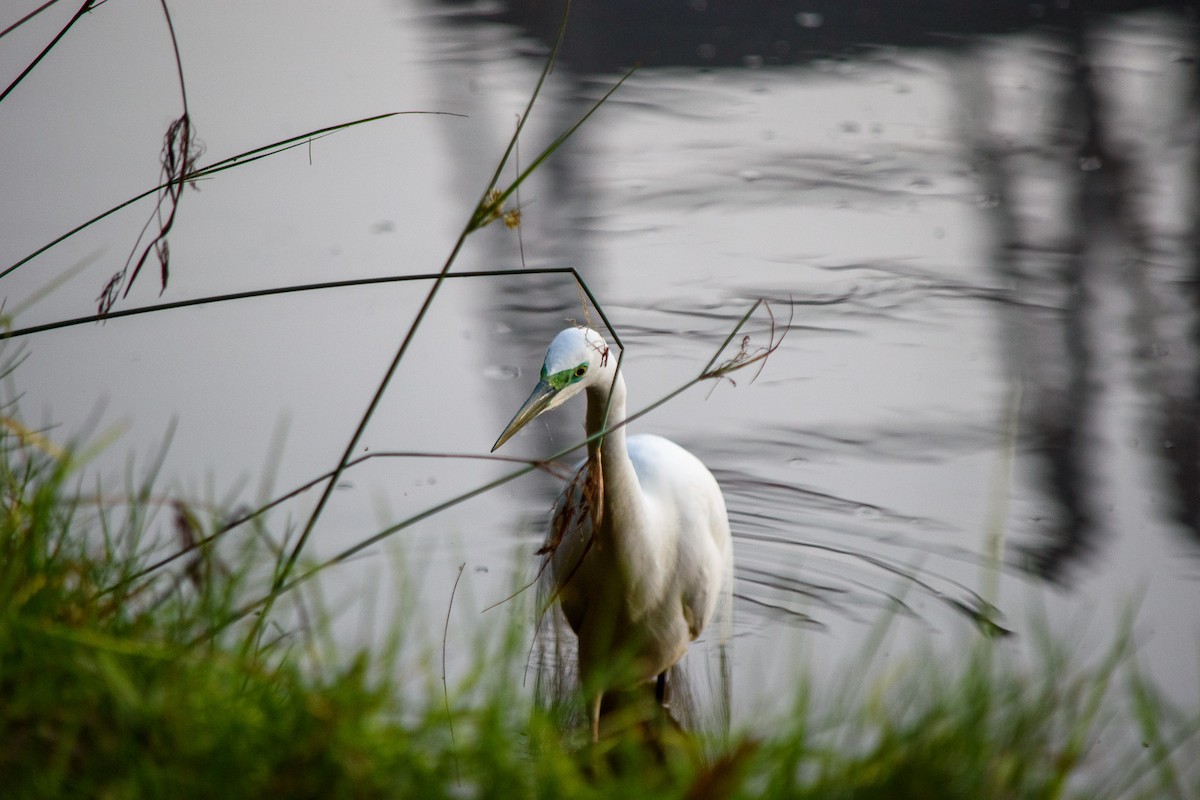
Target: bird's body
[649,583]
[639,561]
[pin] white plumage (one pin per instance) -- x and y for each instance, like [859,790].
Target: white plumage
[640,590]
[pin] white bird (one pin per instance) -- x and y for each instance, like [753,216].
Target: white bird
[638,587]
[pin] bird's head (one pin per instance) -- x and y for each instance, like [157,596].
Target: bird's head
[576,359]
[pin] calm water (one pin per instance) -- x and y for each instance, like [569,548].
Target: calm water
[984,242]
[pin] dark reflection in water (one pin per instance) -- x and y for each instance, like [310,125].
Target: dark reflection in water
[1092,137]
[612,35]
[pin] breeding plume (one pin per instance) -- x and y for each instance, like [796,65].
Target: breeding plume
[639,569]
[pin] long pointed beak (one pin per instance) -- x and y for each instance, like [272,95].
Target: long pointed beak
[542,394]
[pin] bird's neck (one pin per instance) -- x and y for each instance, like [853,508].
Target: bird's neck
[607,395]
[620,480]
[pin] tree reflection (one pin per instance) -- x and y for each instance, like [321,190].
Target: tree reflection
[1092,136]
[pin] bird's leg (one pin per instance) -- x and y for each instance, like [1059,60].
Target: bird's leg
[660,689]
[595,714]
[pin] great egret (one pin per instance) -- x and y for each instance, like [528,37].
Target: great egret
[640,586]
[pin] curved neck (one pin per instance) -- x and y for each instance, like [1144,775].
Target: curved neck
[620,480]
[608,394]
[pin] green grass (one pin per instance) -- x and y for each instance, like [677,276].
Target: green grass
[121,694]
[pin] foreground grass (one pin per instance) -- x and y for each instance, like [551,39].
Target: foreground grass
[122,694]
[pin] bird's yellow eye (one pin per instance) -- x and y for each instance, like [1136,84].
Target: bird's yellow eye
[581,370]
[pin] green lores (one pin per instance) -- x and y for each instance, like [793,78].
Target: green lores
[560,380]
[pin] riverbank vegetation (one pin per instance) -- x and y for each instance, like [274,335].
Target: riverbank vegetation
[112,686]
